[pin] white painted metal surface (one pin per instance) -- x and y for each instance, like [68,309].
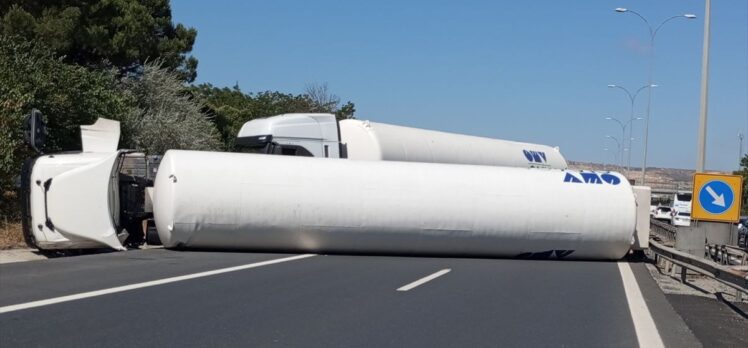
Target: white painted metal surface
[261,202]
[364,140]
[643,196]
[318,133]
[102,136]
[72,203]
[378,141]
[77,201]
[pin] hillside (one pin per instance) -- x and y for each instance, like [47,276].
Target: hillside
[671,178]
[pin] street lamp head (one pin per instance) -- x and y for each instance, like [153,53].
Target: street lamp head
[653,85]
[639,118]
[689,15]
[621,9]
[608,118]
[612,86]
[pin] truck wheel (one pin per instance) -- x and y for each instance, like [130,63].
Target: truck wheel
[151,236]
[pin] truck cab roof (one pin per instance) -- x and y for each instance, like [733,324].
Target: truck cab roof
[294,126]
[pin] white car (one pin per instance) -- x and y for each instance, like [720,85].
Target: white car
[663,213]
[681,219]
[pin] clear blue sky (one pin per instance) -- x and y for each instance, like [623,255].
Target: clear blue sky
[531,71]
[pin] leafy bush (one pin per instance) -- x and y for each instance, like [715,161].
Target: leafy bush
[230,108]
[165,116]
[68,95]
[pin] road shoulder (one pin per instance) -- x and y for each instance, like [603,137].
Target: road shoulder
[20,255]
[671,326]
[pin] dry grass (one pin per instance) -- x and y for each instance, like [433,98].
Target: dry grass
[11,236]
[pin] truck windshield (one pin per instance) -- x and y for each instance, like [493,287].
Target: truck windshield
[276,149]
[684,197]
[253,149]
[289,150]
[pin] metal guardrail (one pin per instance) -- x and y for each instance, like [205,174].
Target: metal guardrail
[663,231]
[726,254]
[729,277]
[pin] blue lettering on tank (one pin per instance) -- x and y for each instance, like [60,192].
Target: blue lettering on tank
[591,178]
[535,156]
[611,179]
[571,178]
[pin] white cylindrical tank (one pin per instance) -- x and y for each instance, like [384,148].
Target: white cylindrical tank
[378,141]
[279,203]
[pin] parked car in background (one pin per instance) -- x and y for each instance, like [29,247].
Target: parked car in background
[743,233]
[681,218]
[662,213]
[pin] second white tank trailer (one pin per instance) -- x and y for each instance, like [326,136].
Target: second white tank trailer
[320,135]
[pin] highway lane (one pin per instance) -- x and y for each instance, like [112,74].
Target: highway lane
[29,281]
[333,300]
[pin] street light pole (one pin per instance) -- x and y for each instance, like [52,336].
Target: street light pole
[620,150]
[632,100]
[623,137]
[740,148]
[701,151]
[652,35]
[605,161]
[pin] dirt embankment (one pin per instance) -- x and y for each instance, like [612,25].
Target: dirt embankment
[11,235]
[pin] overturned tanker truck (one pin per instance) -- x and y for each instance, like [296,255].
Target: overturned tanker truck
[280,203]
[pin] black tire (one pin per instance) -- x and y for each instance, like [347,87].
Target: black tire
[151,235]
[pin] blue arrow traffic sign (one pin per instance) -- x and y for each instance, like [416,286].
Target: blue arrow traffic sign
[716,197]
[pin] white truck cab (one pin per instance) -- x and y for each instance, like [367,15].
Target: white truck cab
[80,200]
[313,135]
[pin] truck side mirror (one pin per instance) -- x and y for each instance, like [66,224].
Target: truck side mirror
[35,130]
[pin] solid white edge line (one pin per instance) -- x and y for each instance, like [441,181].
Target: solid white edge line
[644,325]
[424,280]
[95,293]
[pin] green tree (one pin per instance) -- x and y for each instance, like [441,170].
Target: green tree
[68,95]
[165,116]
[325,101]
[346,111]
[230,108]
[103,34]
[743,171]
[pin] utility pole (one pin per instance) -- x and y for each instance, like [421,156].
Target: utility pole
[701,151]
[740,148]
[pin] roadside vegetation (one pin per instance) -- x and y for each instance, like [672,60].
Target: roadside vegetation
[743,171]
[126,60]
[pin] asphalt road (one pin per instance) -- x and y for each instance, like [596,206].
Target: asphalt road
[327,300]
[702,315]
